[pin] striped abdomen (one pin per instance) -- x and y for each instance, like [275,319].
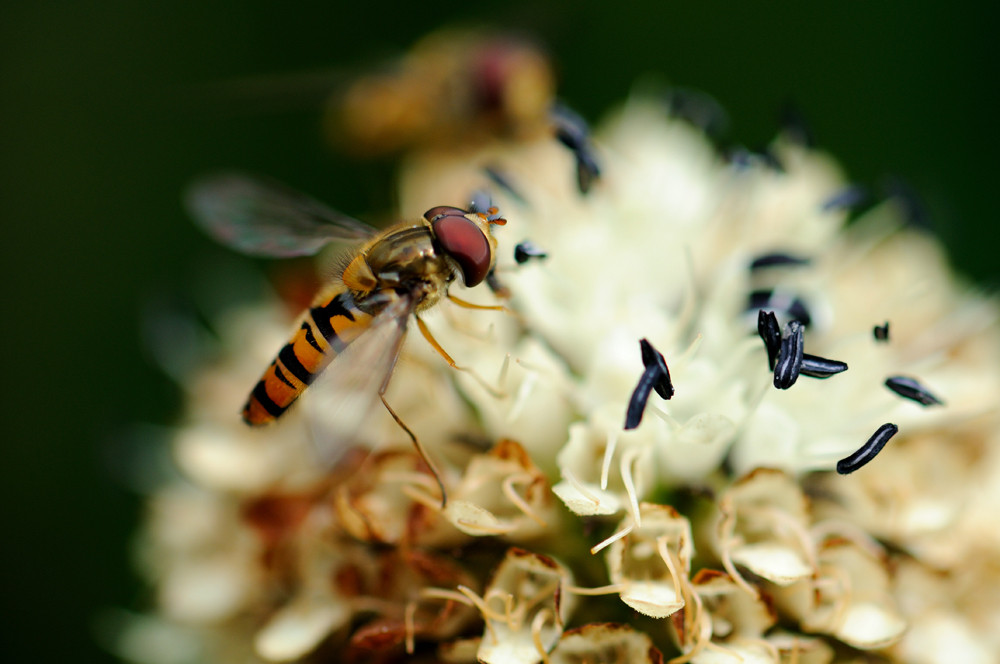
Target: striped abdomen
[327,328]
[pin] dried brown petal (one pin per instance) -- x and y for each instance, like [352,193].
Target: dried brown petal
[525,609]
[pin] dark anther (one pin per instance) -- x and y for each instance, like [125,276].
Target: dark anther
[743,159]
[770,333]
[909,388]
[587,169]
[740,157]
[795,307]
[699,109]
[501,180]
[785,357]
[653,360]
[770,158]
[777,259]
[913,207]
[799,311]
[868,451]
[655,377]
[820,367]
[789,364]
[572,131]
[794,126]
[497,286]
[525,251]
[881,332]
[846,198]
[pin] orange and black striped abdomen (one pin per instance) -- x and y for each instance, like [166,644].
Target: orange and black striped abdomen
[327,328]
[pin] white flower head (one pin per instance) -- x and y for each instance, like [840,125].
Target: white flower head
[701,491]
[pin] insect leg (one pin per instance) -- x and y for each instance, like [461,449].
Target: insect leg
[419,447]
[402,425]
[424,330]
[486,307]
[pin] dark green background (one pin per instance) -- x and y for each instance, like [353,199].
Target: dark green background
[99,130]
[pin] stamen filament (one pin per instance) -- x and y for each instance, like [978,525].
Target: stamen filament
[411,608]
[668,559]
[523,393]
[609,452]
[536,633]
[513,496]
[579,486]
[727,530]
[626,471]
[612,539]
[614,588]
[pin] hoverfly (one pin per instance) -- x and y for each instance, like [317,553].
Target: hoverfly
[453,86]
[394,274]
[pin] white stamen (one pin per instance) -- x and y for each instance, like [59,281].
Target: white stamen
[612,539]
[508,490]
[579,486]
[536,633]
[609,452]
[668,560]
[626,471]
[523,393]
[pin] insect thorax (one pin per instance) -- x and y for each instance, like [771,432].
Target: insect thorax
[405,260]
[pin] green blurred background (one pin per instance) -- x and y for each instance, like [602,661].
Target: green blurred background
[99,131]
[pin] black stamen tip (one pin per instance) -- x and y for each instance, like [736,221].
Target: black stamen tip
[500,179]
[777,259]
[845,199]
[881,332]
[821,367]
[699,109]
[572,131]
[770,158]
[637,403]
[525,251]
[496,285]
[655,377]
[800,312]
[794,125]
[789,364]
[570,127]
[912,205]
[794,307]
[909,388]
[653,361]
[770,333]
[587,169]
[868,451]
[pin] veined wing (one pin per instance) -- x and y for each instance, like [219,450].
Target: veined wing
[261,217]
[340,401]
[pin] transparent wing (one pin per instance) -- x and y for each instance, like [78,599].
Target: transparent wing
[260,217]
[339,403]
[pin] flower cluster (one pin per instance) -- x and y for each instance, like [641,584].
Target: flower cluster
[716,530]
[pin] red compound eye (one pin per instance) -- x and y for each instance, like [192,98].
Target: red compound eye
[442,210]
[465,242]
